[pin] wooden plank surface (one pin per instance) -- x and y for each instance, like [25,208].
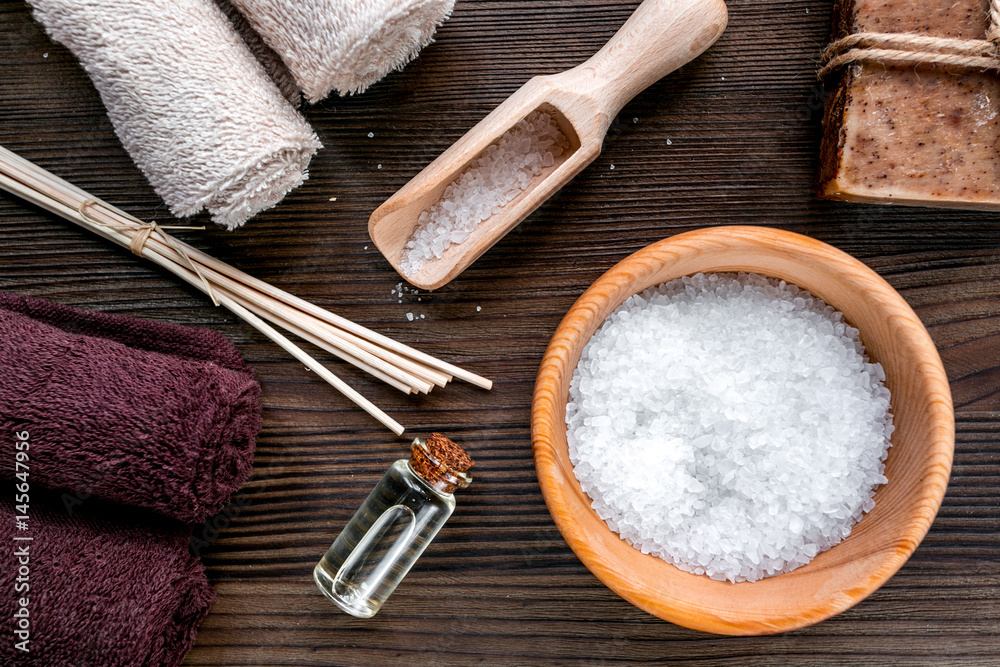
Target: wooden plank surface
[732,138]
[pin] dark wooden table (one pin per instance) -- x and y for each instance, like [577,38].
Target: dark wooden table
[732,138]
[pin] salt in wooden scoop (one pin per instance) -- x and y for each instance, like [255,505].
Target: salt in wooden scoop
[659,37]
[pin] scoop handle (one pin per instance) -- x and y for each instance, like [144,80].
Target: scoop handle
[659,37]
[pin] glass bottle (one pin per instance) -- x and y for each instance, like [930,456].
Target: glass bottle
[391,529]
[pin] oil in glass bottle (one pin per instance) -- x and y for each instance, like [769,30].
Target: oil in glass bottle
[392,528]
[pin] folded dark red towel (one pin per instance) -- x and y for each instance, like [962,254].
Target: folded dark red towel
[98,587]
[139,412]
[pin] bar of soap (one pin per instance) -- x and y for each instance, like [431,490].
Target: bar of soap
[922,135]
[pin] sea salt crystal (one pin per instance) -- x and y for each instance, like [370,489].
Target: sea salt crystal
[729,424]
[409,317]
[502,172]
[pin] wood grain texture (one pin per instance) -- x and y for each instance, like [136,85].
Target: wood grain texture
[499,585]
[917,468]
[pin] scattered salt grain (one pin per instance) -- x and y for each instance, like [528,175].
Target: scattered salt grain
[409,317]
[371,135]
[380,166]
[612,166]
[45,55]
[421,316]
[478,308]
[401,290]
[670,143]
[729,424]
[502,172]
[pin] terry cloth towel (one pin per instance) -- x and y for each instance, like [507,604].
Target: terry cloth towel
[142,413]
[264,54]
[190,103]
[100,588]
[345,45]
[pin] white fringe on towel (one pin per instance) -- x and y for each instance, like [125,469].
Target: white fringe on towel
[191,105]
[345,45]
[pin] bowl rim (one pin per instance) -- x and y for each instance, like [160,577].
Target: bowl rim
[548,415]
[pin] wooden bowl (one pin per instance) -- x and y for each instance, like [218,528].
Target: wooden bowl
[917,468]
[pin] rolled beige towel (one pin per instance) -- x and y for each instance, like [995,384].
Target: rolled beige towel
[265,55]
[345,45]
[190,103]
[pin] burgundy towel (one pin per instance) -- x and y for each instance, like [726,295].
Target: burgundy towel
[142,413]
[100,588]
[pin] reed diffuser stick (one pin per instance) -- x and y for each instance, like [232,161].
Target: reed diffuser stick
[254,301]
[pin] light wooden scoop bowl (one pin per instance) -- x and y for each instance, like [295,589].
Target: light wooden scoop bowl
[659,37]
[917,468]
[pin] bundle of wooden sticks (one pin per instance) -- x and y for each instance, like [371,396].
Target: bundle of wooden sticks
[254,301]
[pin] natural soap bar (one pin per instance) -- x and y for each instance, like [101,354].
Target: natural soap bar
[921,135]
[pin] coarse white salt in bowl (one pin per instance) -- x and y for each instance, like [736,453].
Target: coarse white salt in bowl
[729,424]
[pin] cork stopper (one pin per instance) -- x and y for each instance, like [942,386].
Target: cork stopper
[441,463]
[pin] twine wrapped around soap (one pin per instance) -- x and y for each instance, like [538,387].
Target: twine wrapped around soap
[915,49]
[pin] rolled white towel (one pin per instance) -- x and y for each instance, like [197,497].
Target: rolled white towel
[345,45]
[190,103]
[265,55]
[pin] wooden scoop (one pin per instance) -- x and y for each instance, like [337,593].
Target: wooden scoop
[659,37]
